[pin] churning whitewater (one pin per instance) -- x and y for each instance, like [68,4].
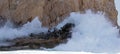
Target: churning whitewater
[92,33]
[9,32]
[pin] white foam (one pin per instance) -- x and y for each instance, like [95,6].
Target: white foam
[8,32]
[93,33]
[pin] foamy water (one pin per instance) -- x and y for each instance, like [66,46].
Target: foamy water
[9,32]
[92,32]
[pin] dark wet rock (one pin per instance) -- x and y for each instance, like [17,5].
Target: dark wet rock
[3,20]
[46,40]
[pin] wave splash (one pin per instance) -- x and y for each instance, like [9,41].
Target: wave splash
[9,32]
[92,33]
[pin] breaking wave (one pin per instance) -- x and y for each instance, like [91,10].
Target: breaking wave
[9,32]
[92,33]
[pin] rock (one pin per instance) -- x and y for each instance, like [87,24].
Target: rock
[36,41]
[2,21]
[51,12]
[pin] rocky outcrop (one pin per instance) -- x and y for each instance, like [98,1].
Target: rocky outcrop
[51,12]
[49,39]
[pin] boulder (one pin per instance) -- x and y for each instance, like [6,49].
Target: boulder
[36,41]
[51,12]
